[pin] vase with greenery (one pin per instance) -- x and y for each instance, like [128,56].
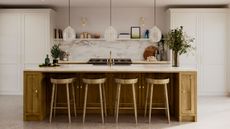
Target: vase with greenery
[55,53]
[179,42]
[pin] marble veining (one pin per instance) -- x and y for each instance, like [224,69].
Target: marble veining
[84,50]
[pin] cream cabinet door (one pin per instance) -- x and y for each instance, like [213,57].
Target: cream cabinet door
[10,44]
[190,23]
[209,28]
[36,35]
[214,54]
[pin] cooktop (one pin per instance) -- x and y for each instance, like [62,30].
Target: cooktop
[105,61]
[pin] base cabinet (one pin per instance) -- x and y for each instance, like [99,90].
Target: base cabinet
[181,90]
[34,96]
[187,97]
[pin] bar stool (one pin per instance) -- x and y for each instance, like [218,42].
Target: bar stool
[158,82]
[62,82]
[125,82]
[100,82]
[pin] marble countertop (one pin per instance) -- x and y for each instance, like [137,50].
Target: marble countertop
[113,69]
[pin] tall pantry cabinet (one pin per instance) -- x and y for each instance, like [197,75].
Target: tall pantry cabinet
[25,38]
[209,27]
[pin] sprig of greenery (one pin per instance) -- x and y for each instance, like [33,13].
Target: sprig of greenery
[55,51]
[178,41]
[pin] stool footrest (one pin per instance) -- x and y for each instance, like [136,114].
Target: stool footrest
[93,107]
[124,108]
[159,108]
[60,108]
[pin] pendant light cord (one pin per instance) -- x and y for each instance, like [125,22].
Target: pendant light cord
[155,12]
[110,13]
[69,12]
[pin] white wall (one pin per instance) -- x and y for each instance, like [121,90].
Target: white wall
[98,18]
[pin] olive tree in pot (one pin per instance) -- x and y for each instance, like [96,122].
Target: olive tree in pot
[55,53]
[179,42]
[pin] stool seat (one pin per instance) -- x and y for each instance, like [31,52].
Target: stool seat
[62,82]
[157,81]
[126,81]
[151,83]
[94,81]
[123,82]
[100,82]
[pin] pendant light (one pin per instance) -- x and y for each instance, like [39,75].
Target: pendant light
[155,32]
[110,32]
[69,32]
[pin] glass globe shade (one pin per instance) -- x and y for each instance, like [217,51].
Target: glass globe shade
[155,34]
[69,34]
[110,34]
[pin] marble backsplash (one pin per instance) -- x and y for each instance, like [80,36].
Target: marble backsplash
[84,50]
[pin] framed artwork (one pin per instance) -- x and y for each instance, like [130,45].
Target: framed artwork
[135,32]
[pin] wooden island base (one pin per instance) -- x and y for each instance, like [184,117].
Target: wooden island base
[182,91]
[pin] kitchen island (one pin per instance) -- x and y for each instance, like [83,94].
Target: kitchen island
[182,88]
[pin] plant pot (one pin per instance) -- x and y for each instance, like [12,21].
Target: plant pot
[175,62]
[55,61]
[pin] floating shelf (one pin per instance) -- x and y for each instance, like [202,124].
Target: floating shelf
[102,39]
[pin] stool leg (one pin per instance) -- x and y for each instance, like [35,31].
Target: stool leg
[74,101]
[134,102]
[146,99]
[104,97]
[55,100]
[167,102]
[101,102]
[118,101]
[85,101]
[68,102]
[150,103]
[115,107]
[52,102]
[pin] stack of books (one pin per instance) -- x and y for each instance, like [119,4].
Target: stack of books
[124,36]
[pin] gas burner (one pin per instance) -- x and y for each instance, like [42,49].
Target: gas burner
[104,61]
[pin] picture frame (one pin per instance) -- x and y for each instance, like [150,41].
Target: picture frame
[135,32]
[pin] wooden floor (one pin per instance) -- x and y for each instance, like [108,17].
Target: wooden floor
[213,112]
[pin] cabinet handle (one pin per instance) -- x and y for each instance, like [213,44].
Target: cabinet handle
[36,91]
[143,87]
[139,87]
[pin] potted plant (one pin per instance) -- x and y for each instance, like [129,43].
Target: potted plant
[55,53]
[179,42]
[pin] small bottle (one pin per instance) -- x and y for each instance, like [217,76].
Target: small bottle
[47,60]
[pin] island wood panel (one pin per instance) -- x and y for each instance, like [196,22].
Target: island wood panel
[188,96]
[34,96]
[183,108]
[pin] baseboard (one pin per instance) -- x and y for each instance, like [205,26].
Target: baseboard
[214,94]
[11,93]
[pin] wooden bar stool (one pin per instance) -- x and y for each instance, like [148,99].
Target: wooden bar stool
[100,82]
[158,82]
[120,82]
[62,82]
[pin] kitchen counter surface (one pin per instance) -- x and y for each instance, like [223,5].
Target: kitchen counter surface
[134,62]
[114,68]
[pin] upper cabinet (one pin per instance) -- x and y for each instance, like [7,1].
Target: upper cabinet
[38,33]
[209,28]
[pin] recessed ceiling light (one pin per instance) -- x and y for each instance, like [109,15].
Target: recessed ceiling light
[42,0]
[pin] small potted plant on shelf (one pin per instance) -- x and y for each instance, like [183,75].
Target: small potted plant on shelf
[179,42]
[55,53]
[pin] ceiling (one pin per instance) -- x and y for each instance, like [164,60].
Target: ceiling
[117,3]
